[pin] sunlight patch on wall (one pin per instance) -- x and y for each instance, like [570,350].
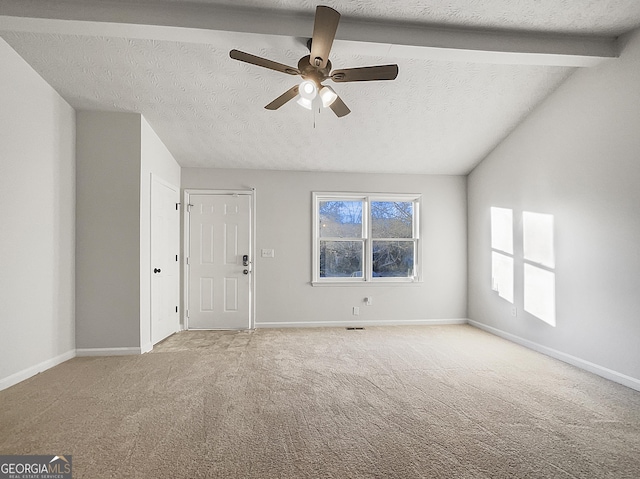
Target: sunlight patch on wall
[538,238]
[502,275]
[540,293]
[502,229]
[539,257]
[502,254]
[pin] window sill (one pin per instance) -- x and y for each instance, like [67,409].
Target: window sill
[366,284]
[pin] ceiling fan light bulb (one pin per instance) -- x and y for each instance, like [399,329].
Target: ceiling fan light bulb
[328,96]
[305,102]
[308,90]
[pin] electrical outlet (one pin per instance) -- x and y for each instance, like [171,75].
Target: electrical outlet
[514,311]
[356,311]
[267,253]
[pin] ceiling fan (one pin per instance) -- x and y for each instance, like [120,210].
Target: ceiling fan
[316,68]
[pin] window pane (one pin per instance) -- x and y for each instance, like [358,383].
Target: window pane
[393,259]
[502,229]
[340,219]
[502,275]
[540,293]
[341,259]
[392,219]
[538,238]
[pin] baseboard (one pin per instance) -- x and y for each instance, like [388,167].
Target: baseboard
[107,351]
[360,323]
[606,373]
[146,348]
[33,370]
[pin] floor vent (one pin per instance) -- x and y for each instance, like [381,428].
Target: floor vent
[354,329]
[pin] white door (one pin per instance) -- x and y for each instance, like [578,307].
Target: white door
[219,264]
[165,265]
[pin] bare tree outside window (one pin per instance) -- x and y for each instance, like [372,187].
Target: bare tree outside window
[341,219]
[391,220]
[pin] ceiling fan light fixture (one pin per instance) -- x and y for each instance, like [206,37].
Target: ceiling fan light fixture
[308,90]
[328,96]
[305,102]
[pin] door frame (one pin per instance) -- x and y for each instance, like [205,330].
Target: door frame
[252,248]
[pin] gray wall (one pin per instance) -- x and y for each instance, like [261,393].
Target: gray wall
[117,153]
[108,230]
[284,295]
[576,157]
[37,192]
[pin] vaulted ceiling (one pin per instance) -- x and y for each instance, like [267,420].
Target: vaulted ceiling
[470,71]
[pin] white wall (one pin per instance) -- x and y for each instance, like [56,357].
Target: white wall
[157,160]
[284,295]
[108,230]
[577,158]
[37,193]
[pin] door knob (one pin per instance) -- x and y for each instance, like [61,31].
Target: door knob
[246,271]
[157,270]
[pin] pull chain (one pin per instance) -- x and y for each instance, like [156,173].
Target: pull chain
[314,116]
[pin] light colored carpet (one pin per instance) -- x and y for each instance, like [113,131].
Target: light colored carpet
[387,402]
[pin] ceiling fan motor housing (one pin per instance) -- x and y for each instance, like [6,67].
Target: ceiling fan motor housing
[313,73]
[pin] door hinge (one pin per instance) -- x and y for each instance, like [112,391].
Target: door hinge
[187,313]
[176,309]
[178,206]
[176,257]
[189,205]
[187,260]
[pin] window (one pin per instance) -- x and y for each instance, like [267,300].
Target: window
[365,238]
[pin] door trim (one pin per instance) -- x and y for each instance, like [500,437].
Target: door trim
[252,248]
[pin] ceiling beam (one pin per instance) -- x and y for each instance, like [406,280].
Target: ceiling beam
[199,22]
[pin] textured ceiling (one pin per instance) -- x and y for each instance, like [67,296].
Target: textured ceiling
[438,117]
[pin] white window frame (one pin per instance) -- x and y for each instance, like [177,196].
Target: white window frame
[367,238]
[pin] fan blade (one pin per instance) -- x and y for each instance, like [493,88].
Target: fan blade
[339,108]
[282,99]
[381,72]
[263,62]
[324,31]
